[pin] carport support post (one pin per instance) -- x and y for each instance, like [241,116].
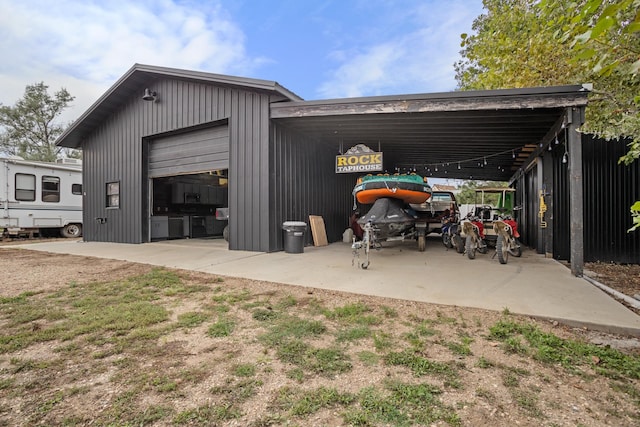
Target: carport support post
[575,118]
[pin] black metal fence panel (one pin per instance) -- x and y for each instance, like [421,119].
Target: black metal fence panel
[610,188]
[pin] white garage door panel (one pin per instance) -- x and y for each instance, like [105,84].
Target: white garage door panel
[197,151]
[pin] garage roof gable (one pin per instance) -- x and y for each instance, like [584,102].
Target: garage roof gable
[140,76]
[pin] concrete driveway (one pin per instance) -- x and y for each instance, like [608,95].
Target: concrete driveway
[531,285]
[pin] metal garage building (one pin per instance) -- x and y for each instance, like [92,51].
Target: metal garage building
[164,147]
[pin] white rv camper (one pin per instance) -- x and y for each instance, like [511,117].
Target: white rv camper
[36,197]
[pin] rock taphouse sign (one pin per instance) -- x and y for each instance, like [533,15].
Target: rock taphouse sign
[359,158]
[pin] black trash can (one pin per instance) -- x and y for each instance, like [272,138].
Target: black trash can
[294,236]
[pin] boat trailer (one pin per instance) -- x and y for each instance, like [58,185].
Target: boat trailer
[371,240]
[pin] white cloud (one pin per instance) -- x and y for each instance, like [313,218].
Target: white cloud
[365,73]
[419,57]
[85,46]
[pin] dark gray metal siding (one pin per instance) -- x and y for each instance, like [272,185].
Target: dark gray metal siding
[114,152]
[609,190]
[529,219]
[304,182]
[249,172]
[111,155]
[190,152]
[561,217]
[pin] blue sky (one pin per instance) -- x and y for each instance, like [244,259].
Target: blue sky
[317,49]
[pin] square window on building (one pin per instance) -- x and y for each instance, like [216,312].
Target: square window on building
[25,187]
[113,194]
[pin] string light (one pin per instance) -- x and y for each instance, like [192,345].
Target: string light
[442,166]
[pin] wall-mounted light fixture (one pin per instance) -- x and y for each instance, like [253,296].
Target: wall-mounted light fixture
[149,95]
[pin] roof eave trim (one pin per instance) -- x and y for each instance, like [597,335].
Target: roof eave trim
[578,90]
[267,85]
[259,84]
[61,139]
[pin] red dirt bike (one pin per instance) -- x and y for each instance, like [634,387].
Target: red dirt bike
[506,230]
[473,231]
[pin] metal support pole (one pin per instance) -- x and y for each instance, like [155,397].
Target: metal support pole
[575,117]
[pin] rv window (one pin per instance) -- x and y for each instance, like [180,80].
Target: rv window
[25,187]
[50,189]
[113,194]
[76,189]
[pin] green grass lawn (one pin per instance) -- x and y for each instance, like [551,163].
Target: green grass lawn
[165,348]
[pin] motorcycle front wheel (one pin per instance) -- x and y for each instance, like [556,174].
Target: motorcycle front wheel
[446,240]
[470,247]
[502,250]
[458,243]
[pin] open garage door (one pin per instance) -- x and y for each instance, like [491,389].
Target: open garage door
[197,151]
[188,173]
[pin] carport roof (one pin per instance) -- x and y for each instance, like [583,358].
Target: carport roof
[481,135]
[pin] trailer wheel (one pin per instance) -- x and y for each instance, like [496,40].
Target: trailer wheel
[422,243]
[225,233]
[71,230]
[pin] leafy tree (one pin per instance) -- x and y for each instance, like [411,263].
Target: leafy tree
[511,47]
[635,215]
[28,129]
[521,43]
[467,192]
[605,38]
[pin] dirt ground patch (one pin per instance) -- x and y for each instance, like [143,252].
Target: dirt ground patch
[622,278]
[189,375]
